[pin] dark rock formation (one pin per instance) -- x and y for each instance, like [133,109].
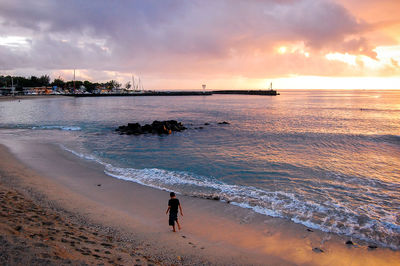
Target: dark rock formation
[317,250]
[223,123]
[157,127]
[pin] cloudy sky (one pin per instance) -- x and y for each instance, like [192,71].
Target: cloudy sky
[225,44]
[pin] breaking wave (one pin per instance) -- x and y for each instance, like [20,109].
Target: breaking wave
[67,128]
[328,216]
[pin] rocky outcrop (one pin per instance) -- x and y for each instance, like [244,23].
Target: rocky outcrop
[157,127]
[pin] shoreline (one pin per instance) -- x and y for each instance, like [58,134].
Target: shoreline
[213,232]
[26,97]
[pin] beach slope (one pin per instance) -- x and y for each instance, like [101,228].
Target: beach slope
[58,208]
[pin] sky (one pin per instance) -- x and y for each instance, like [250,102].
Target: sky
[225,44]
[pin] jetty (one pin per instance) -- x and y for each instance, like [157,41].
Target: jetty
[178,93]
[247,92]
[148,93]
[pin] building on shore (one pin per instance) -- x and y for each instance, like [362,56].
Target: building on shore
[38,90]
[5,91]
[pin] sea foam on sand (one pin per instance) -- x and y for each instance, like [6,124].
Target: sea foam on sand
[213,232]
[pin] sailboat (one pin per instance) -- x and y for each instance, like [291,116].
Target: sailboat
[138,86]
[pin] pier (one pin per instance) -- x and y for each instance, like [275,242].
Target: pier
[179,93]
[247,92]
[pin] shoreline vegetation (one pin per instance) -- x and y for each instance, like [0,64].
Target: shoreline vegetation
[10,85]
[50,215]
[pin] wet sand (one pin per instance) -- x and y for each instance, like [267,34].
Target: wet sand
[125,214]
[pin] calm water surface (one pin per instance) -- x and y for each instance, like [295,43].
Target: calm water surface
[327,159]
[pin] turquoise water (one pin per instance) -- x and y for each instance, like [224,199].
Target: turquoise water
[327,159]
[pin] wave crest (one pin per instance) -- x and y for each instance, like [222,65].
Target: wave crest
[67,128]
[328,216]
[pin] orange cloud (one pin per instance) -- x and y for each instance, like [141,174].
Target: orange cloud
[202,40]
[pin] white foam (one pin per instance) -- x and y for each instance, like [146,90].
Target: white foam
[67,128]
[84,156]
[333,216]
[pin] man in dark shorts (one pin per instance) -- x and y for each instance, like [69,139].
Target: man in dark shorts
[173,205]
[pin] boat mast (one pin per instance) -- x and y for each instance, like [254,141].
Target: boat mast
[74,81]
[140,86]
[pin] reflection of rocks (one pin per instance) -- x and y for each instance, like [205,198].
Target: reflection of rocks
[157,127]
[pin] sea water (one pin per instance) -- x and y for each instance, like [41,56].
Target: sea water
[327,159]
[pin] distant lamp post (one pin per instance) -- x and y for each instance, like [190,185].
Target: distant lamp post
[204,88]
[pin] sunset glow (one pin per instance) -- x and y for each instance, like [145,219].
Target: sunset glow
[183,44]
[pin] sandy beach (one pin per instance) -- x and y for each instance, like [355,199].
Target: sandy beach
[50,196]
[36,235]
[276,124]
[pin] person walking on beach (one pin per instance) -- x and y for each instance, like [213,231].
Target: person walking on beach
[173,205]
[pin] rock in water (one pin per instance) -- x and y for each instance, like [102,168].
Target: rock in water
[147,128]
[135,128]
[157,127]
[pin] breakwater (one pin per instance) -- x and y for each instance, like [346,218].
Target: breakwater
[247,92]
[180,93]
[150,93]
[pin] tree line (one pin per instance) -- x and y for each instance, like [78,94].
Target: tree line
[44,80]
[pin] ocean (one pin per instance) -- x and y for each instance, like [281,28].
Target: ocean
[327,159]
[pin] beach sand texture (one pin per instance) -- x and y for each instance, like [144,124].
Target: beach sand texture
[78,213]
[34,235]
